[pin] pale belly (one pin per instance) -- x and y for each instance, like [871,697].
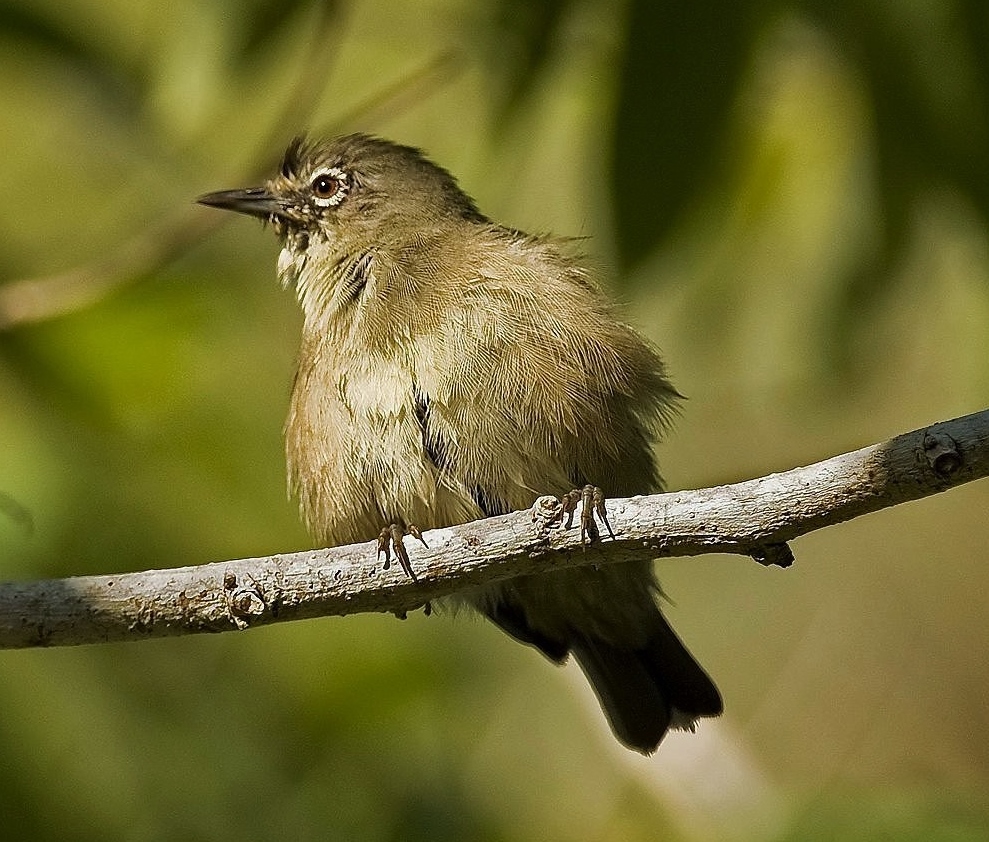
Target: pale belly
[357,460]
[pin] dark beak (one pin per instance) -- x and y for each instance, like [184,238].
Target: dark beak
[254,201]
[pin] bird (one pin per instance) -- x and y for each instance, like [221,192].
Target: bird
[452,369]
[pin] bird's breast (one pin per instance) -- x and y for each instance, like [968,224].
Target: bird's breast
[356,454]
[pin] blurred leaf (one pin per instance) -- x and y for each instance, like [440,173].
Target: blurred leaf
[121,85]
[925,68]
[265,20]
[517,40]
[17,513]
[682,68]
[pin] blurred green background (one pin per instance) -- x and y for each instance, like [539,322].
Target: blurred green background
[791,197]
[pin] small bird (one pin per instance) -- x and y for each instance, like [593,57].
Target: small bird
[453,369]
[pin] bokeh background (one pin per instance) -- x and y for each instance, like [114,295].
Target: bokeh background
[791,197]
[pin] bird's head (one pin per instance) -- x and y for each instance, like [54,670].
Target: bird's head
[339,199]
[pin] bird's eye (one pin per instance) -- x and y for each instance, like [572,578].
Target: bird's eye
[329,187]
[325,186]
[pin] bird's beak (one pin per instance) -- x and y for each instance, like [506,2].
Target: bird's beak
[254,201]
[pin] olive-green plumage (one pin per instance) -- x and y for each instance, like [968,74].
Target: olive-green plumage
[452,369]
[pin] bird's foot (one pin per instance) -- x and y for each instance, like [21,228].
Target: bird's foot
[391,538]
[591,499]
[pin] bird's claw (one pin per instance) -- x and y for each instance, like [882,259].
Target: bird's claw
[591,499]
[391,537]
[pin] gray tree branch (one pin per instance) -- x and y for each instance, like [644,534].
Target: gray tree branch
[756,518]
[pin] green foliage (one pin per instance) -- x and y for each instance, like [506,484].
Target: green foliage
[682,70]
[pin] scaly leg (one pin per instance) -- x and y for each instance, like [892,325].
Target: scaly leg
[591,499]
[391,537]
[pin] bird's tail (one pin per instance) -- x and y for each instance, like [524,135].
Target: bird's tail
[643,675]
[646,691]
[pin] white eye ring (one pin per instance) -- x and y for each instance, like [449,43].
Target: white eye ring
[329,187]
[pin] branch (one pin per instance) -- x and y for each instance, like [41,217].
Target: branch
[756,518]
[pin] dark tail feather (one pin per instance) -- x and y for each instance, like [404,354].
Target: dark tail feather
[635,706]
[512,620]
[646,691]
[687,687]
